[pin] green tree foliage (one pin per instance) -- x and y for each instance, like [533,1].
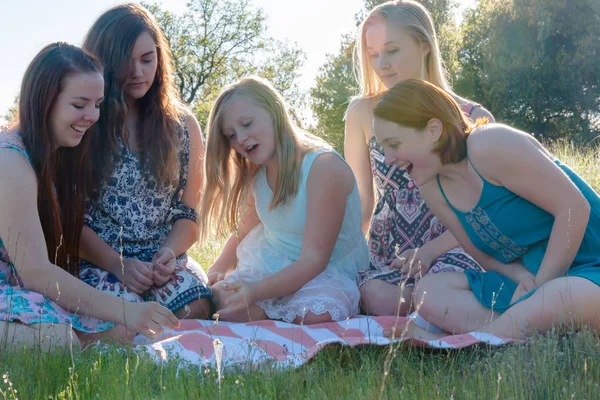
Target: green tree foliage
[215,42]
[535,64]
[335,86]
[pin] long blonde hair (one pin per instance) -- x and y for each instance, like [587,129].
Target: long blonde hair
[229,174]
[414,19]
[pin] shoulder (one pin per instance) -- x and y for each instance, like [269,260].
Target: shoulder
[16,170]
[194,132]
[496,144]
[328,166]
[360,108]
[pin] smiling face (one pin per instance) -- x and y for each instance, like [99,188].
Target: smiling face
[143,66]
[410,149]
[393,53]
[249,129]
[76,108]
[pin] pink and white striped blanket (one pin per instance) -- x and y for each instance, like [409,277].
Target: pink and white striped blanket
[210,344]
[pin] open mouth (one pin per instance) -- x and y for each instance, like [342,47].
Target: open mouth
[251,149]
[80,129]
[408,167]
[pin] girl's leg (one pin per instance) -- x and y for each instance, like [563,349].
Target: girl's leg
[378,297]
[572,301]
[446,300]
[197,309]
[46,336]
[310,318]
[118,335]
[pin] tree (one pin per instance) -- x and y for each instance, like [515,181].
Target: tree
[215,42]
[11,113]
[535,64]
[335,86]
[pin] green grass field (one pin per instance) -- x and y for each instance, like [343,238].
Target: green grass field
[550,367]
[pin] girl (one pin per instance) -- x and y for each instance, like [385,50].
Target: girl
[147,158]
[527,218]
[396,41]
[294,207]
[43,164]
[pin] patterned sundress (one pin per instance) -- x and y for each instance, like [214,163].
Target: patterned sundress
[26,306]
[133,214]
[402,221]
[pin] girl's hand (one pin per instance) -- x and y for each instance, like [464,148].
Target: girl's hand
[163,261]
[148,318]
[413,262]
[237,297]
[525,286]
[215,276]
[136,275]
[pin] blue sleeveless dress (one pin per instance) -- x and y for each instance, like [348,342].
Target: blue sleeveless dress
[26,306]
[509,227]
[277,242]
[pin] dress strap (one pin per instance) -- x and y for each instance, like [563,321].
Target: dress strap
[437,177]
[470,162]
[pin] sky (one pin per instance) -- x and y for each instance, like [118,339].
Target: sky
[28,25]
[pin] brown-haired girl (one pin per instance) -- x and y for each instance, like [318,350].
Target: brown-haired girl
[147,158]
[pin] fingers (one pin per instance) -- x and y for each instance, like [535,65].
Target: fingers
[233,286]
[142,280]
[166,318]
[214,278]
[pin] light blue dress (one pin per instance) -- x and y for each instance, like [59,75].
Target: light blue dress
[509,227]
[277,242]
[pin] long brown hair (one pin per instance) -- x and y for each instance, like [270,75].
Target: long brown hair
[60,173]
[413,103]
[112,38]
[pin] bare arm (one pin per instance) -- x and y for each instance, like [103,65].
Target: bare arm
[22,233]
[329,183]
[227,260]
[515,160]
[430,192]
[358,121]
[185,232]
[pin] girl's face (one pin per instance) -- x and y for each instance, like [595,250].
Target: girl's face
[249,129]
[394,54]
[143,66]
[76,108]
[410,149]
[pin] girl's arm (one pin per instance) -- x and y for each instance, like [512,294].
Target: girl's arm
[329,183]
[517,161]
[227,260]
[358,123]
[22,234]
[185,231]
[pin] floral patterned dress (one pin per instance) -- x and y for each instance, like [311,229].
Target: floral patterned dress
[402,221]
[134,215]
[26,306]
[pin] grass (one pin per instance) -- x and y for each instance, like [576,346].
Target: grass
[550,367]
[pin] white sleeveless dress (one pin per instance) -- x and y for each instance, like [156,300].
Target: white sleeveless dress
[277,242]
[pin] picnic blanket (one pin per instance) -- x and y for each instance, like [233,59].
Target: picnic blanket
[222,345]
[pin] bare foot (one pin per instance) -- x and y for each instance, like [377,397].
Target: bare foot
[409,330]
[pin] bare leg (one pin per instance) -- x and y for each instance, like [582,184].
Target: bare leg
[197,309]
[378,297]
[447,301]
[310,319]
[569,301]
[119,335]
[46,336]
